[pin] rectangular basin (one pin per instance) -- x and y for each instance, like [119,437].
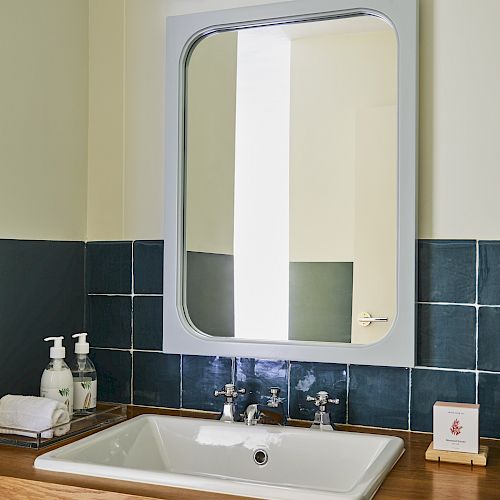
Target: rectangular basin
[260,461]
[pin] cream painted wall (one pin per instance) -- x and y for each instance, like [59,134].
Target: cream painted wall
[105,214]
[44,95]
[459,106]
[459,110]
[43,119]
[460,103]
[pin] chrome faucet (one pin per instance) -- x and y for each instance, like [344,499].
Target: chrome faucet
[271,413]
[322,417]
[230,393]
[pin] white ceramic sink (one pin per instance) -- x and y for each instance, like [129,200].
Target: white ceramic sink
[215,456]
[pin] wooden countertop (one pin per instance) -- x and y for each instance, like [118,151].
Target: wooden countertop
[412,477]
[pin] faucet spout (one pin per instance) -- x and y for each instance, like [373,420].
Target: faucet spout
[251,415]
[271,413]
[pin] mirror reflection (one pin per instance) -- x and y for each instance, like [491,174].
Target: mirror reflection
[290,181]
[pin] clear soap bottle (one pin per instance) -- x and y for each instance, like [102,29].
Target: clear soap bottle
[84,378]
[57,382]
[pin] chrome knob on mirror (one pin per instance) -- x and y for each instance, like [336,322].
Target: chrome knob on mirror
[366,319]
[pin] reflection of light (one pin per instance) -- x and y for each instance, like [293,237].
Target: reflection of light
[261,204]
[229,435]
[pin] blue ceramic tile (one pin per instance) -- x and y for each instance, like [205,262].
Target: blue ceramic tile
[41,294]
[447,271]
[114,371]
[429,386]
[148,266]
[157,379]
[109,321]
[489,273]
[446,336]
[108,266]
[489,399]
[257,376]
[378,396]
[201,376]
[488,343]
[308,379]
[148,323]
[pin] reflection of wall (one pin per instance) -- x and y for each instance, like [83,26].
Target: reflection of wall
[343,164]
[211,141]
[333,77]
[43,118]
[320,301]
[210,292]
[374,280]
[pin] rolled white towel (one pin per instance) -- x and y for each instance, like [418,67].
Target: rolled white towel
[33,414]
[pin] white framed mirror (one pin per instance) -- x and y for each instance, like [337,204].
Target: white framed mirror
[291,166]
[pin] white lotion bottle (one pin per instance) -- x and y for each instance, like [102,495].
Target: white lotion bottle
[57,381]
[84,377]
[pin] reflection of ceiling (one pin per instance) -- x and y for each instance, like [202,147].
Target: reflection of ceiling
[358,24]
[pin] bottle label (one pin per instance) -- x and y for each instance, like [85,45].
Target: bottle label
[85,394]
[64,395]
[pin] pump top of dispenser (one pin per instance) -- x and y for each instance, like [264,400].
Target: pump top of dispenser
[82,346]
[57,351]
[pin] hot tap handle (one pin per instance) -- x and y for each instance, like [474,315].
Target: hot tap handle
[229,391]
[321,399]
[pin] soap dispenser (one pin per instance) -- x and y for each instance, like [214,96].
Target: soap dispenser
[84,377]
[57,381]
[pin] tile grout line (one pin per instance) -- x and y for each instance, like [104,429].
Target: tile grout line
[125,294]
[85,287]
[468,304]
[410,370]
[348,379]
[477,321]
[126,349]
[288,386]
[181,366]
[132,288]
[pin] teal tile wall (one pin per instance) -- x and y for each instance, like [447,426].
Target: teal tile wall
[41,294]
[458,354]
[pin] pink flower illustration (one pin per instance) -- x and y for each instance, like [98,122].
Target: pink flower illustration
[456,428]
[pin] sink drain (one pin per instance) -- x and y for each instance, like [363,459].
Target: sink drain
[260,457]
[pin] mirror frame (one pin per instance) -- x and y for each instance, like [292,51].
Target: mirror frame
[397,348]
